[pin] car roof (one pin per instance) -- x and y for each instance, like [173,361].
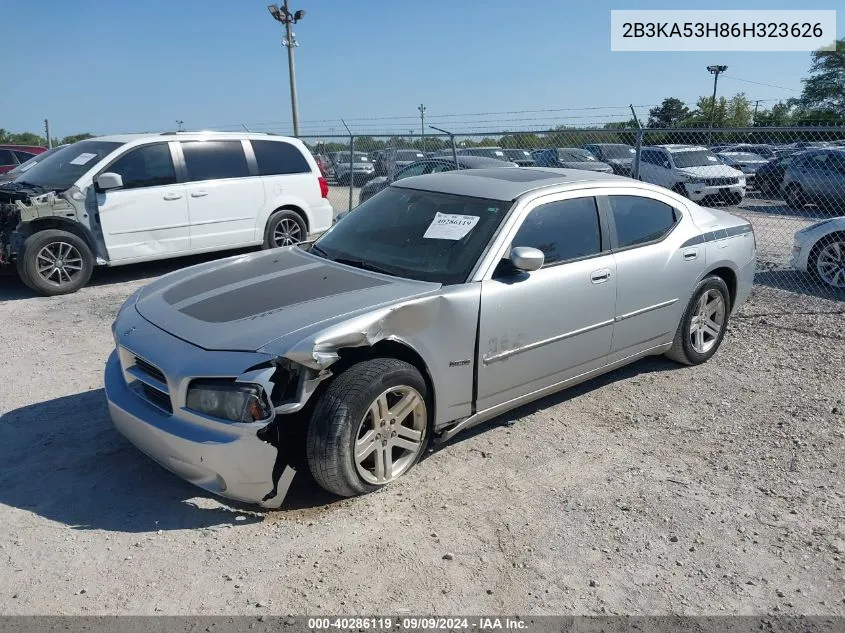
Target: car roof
[502,183]
[190,136]
[677,147]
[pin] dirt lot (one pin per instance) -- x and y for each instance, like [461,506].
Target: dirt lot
[657,489]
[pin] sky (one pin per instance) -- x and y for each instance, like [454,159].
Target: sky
[104,66]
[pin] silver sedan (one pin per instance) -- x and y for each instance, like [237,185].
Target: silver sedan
[441,302]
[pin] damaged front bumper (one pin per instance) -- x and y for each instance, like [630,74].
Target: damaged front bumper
[21,206]
[247,462]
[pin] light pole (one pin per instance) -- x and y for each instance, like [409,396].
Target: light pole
[422,126]
[287,18]
[714,70]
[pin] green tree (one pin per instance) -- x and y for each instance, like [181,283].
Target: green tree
[670,113]
[824,89]
[73,138]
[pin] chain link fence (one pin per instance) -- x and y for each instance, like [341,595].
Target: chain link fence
[788,182]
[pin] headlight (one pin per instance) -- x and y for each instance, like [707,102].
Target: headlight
[238,402]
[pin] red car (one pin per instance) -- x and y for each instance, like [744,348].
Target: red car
[13,155]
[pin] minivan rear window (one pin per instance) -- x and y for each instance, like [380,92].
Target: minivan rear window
[214,160]
[278,157]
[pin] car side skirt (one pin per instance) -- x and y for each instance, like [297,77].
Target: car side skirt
[492,412]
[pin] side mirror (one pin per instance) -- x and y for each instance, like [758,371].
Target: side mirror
[526,258]
[109,180]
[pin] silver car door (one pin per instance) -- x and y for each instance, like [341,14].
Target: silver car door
[658,259]
[540,328]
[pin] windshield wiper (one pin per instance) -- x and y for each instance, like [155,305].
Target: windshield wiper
[319,251]
[358,263]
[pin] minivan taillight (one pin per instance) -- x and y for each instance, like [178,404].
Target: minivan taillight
[324,187]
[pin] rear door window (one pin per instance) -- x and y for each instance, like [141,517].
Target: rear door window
[640,220]
[277,158]
[214,160]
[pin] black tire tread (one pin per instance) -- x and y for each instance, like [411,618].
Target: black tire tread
[678,352]
[326,446]
[38,240]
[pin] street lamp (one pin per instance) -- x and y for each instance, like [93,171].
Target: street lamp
[714,70]
[287,18]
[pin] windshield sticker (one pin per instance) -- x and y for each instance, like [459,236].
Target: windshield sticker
[83,159]
[450,226]
[712,159]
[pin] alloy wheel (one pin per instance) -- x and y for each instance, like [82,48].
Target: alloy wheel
[287,232]
[59,263]
[390,435]
[830,264]
[707,322]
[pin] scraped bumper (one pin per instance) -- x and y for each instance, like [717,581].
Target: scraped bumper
[225,461]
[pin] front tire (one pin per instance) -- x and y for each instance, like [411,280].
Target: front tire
[369,427]
[55,262]
[284,228]
[703,324]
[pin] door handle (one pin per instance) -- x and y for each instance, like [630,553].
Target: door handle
[198,194]
[173,196]
[600,276]
[690,254]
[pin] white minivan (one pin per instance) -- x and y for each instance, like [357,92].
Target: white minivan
[137,197]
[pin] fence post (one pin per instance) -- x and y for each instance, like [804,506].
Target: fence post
[351,166]
[454,151]
[635,172]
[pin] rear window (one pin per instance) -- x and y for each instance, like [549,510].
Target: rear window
[214,160]
[278,157]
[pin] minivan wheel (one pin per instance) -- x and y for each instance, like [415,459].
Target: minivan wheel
[369,427]
[284,228]
[704,323]
[55,262]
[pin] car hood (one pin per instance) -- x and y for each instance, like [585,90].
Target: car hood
[246,302]
[620,161]
[710,171]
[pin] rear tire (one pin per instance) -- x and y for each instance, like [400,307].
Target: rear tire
[55,262]
[362,434]
[703,324]
[284,228]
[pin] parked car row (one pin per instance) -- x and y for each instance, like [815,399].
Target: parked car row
[12,156]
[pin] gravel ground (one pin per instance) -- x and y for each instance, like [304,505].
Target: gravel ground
[656,489]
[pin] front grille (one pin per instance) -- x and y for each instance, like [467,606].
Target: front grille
[717,182]
[150,369]
[161,400]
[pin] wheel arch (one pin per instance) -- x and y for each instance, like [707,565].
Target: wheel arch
[388,348]
[729,276]
[62,224]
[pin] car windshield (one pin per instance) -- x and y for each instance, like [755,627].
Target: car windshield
[360,157]
[617,151]
[573,155]
[695,158]
[422,235]
[60,170]
[32,162]
[409,155]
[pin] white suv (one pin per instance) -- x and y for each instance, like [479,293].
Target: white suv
[130,198]
[692,171]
